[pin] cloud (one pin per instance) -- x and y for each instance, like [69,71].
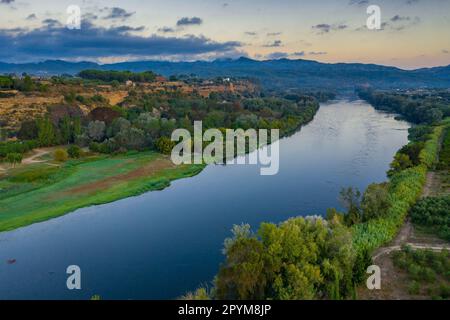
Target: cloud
[51,23]
[277,55]
[274,34]
[359,2]
[445,51]
[317,53]
[118,13]
[31,17]
[299,54]
[398,23]
[275,44]
[186,21]
[54,41]
[166,30]
[89,16]
[251,33]
[323,28]
[6,1]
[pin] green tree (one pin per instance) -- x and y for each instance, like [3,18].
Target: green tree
[351,200]
[375,202]
[14,158]
[302,258]
[46,132]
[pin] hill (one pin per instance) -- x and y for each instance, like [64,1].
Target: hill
[283,73]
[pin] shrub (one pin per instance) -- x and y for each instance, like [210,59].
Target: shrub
[414,288]
[61,155]
[74,151]
[164,145]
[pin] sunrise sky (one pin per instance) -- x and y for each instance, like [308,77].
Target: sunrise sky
[415,33]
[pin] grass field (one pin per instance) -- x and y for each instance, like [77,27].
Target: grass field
[41,191]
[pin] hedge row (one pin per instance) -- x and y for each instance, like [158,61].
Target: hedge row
[405,188]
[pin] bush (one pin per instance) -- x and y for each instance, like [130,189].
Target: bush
[414,288]
[61,155]
[74,151]
[164,145]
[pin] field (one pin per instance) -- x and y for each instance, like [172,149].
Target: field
[44,190]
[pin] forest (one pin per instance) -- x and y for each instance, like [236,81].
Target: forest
[416,106]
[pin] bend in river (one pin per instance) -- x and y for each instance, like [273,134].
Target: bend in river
[161,244]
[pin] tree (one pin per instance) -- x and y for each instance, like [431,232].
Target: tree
[401,162]
[46,132]
[118,125]
[131,139]
[375,202]
[96,130]
[302,258]
[14,158]
[28,130]
[351,199]
[66,131]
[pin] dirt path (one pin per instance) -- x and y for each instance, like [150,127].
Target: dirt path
[37,154]
[431,184]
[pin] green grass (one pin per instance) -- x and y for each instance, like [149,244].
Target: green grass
[39,192]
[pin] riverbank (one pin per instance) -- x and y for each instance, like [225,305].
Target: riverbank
[413,281]
[41,191]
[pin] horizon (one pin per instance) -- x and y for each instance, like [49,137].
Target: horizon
[219,60]
[412,33]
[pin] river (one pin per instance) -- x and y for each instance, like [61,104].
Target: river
[161,244]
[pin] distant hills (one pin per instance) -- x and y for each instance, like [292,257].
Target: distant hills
[276,74]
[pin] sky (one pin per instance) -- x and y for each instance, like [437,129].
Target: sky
[413,34]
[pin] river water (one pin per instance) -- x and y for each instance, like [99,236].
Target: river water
[161,244]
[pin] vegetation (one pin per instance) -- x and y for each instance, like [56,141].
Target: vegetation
[14,158]
[24,83]
[302,258]
[312,258]
[418,107]
[404,189]
[427,271]
[61,155]
[444,156]
[74,152]
[120,76]
[39,192]
[433,213]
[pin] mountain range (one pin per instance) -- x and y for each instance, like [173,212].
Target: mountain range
[275,74]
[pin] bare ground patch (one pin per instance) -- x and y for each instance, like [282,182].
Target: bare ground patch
[145,171]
